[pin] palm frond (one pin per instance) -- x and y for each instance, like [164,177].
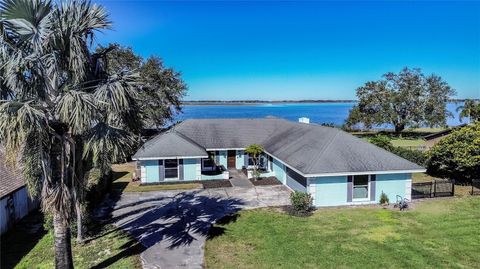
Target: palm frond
[107,144]
[28,21]
[77,109]
[17,121]
[118,92]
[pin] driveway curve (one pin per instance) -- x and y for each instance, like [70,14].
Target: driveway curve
[174,225]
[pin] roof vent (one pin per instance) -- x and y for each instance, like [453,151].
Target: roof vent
[304,120]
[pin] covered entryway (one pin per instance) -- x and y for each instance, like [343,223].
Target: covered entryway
[231,156]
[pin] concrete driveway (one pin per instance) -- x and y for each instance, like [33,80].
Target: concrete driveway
[173,225]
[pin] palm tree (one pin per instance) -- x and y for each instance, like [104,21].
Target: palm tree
[470,109]
[60,109]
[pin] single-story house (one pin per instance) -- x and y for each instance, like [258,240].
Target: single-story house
[15,202]
[335,167]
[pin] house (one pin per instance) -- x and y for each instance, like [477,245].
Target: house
[335,167]
[432,139]
[15,202]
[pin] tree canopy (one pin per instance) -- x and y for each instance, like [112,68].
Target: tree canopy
[457,156]
[406,99]
[66,107]
[470,109]
[160,89]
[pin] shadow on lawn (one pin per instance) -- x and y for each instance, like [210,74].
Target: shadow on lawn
[178,220]
[21,239]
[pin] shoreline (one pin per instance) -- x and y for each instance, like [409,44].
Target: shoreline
[253,103]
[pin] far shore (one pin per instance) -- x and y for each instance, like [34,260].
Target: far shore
[259,102]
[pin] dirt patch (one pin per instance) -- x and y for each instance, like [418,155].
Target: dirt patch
[265,181]
[211,184]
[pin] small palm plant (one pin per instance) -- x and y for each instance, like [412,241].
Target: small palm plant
[60,109]
[254,150]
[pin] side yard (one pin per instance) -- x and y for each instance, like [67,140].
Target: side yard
[437,233]
[28,245]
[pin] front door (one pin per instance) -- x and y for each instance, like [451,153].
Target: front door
[231,159]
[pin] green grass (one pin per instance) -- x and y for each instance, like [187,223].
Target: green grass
[398,142]
[438,233]
[122,181]
[108,248]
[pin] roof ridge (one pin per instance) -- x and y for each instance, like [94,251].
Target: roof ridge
[188,139]
[322,152]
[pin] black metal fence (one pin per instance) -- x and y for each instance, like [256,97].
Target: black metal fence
[435,188]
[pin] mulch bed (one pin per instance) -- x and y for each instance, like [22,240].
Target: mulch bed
[211,184]
[265,181]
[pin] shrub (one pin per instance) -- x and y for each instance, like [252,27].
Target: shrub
[382,141]
[384,199]
[302,202]
[457,156]
[415,156]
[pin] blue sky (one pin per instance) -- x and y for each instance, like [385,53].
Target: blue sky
[269,50]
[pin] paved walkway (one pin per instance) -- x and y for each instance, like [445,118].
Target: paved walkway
[239,179]
[173,225]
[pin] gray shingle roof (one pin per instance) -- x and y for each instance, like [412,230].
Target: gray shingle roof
[170,144]
[308,148]
[10,179]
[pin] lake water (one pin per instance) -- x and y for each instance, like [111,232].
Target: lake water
[335,113]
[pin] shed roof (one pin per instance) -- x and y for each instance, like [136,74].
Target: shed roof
[10,179]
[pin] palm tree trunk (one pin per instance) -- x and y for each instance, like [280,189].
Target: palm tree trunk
[78,210]
[63,250]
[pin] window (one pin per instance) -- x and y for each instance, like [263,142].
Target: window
[171,168]
[360,187]
[208,165]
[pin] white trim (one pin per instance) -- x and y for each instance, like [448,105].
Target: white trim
[366,173]
[165,158]
[213,149]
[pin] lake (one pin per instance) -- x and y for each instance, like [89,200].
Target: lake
[335,113]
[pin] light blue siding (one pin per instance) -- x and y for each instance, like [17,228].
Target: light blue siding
[392,185]
[240,159]
[190,169]
[330,191]
[223,158]
[279,171]
[152,171]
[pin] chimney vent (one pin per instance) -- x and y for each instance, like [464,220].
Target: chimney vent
[304,120]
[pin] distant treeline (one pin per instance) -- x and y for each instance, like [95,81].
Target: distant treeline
[247,102]
[252,102]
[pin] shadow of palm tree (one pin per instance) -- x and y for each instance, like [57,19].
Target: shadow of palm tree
[179,221]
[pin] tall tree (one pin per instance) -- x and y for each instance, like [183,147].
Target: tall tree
[406,99]
[470,109]
[61,108]
[161,88]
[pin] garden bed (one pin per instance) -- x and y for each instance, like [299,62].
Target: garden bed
[212,184]
[265,181]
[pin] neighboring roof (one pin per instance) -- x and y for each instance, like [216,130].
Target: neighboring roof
[170,144]
[10,179]
[307,148]
[443,133]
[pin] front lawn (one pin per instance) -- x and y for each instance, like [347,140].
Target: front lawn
[438,233]
[27,245]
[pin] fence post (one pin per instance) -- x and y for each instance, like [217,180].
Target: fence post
[434,188]
[453,187]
